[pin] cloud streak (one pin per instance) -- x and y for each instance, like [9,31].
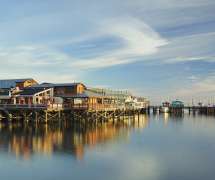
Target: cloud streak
[138,38]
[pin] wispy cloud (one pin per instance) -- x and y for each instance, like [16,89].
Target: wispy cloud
[30,56]
[141,41]
[198,47]
[40,62]
[138,38]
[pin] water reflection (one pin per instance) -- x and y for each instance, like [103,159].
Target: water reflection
[156,147]
[25,140]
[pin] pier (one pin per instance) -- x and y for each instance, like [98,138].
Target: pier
[49,114]
[206,110]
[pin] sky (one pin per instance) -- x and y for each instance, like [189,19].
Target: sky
[160,49]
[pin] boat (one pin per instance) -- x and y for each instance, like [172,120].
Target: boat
[165,107]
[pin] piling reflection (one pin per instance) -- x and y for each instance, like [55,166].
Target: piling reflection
[26,140]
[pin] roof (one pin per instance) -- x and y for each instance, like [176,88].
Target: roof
[50,85]
[86,94]
[177,103]
[10,83]
[4,92]
[141,99]
[111,93]
[31,91]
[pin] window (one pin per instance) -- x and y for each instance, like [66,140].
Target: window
[99,101]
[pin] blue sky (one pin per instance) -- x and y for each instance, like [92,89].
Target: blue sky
[161,49]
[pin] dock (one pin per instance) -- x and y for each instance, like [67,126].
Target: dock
[203,110]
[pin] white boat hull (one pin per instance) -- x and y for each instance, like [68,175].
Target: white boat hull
[164,109]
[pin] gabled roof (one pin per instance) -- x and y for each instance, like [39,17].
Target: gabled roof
[31,91]
[11,83]
[51,85]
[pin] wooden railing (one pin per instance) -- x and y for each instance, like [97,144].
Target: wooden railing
[98,107]
[91,106]
[67,106]
[23,106]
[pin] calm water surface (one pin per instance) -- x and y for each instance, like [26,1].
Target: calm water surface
[155,148]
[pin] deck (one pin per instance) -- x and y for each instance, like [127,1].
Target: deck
[60,107]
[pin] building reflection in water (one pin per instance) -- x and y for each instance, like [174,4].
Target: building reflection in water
[26,140]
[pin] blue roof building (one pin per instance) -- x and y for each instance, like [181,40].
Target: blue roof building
[11,83]
[177,104]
